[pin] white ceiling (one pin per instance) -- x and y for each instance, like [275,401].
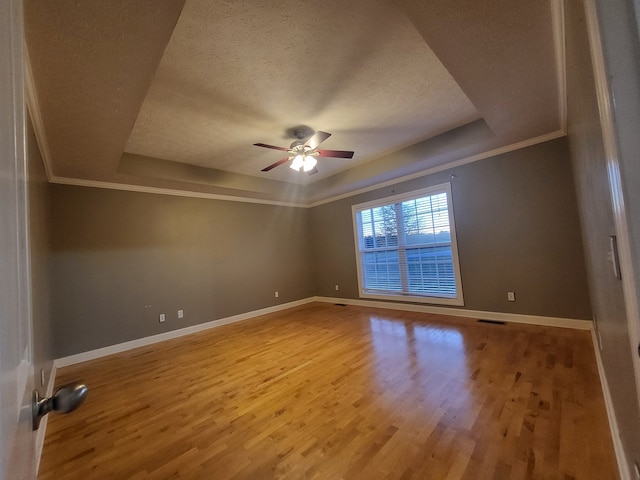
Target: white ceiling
[172,95]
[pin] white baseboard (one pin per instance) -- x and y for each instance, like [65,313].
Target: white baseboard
[458,312]
[506,317]
[161,337]
[461,312]
[621,457]
[42,430]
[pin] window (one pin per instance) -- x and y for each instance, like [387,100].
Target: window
[406,247]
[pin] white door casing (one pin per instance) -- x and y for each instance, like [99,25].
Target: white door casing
[607,123]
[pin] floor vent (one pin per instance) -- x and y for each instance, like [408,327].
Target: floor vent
[340,304]
[494,322]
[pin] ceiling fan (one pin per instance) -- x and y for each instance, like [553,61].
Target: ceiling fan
[303,152]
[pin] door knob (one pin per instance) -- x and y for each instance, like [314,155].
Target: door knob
[66,399]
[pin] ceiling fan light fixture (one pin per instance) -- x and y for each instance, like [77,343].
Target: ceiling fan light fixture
[298,163]
[303,153]
[309,163]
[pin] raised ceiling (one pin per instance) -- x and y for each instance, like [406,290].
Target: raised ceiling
[171,95]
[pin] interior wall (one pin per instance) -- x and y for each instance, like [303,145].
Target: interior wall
[517,227]
[39,250]
[120,259]
[597,219]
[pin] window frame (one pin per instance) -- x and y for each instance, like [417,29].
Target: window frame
[458,300]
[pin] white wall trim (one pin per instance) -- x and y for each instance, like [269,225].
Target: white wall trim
[461,312]
[167,191]
[42,430]
[38,127]
[605,107]
[456,163]
[161,337]
[557,17]
[456,312]
[621,457]
[33,106]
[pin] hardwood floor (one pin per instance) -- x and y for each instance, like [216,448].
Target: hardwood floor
[329,392]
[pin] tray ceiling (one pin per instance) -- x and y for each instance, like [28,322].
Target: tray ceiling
[172,95]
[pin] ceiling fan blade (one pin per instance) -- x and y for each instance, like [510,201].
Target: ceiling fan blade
[316,139]
[271,146]
[313,172]
[335,153]
[274,165]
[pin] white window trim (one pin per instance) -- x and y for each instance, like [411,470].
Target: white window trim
[424,192]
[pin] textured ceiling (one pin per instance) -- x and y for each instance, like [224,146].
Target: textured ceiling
[173,94]
[232,76]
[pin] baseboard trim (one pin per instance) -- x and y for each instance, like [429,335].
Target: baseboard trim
[456,312]
[461,312]
[161,337]
[42,430]
[621,457]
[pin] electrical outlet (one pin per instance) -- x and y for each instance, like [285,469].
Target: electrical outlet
[180,313]
[277,294]
[337,287]
[163,317]
[511,296]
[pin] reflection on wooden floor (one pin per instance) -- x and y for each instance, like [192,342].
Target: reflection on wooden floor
[333,392]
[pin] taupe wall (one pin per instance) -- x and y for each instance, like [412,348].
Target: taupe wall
[119,259]
[592,186]
[39,250]
[517,227]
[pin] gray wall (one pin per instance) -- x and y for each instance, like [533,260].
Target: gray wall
[592,186]
[39,250]
[119,259]
[517,226]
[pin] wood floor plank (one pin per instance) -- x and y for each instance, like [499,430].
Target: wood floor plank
[332,392]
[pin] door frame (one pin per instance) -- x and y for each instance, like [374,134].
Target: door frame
[618,200]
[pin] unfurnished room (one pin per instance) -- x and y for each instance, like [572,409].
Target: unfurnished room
[379,239]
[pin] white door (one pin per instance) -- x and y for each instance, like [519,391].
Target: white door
[17,452]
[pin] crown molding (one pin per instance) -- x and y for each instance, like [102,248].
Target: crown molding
[456,163]
[212,196]
[558,22]
[33,106]
[77,182]
[557,10]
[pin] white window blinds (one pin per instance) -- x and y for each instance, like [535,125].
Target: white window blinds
[406,247]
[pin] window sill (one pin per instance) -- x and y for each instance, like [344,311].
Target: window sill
[415,299]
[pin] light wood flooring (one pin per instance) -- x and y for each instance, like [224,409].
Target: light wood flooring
[340,392]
